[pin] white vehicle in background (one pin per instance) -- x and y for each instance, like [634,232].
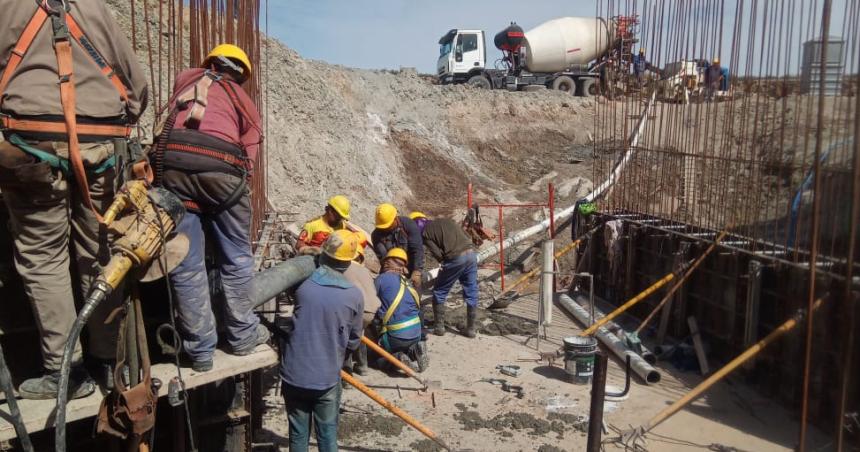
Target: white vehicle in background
[565,54]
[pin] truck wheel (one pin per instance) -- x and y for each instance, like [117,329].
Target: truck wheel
[564,83]
[479,81]
[590,88]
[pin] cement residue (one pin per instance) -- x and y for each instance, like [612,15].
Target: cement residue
[549,448]
[506,422]
[352,425]
[489,323]
[425,445]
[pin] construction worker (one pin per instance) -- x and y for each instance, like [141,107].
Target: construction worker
[713,77]
[327,324]
[420,219]
[398,323]
[393,231]
[640,66]
[361,277]
[64,97]
[207,148]
[316,231]
[448,244]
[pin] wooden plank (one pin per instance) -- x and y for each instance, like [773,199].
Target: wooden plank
[697,344]
[39,414]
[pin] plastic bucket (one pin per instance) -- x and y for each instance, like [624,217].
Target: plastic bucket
[579,358]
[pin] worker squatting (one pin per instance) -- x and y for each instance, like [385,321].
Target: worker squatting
[57,175]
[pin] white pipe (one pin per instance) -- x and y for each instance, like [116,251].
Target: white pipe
[546,281]
[637,364]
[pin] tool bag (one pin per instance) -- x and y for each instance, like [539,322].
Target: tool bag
[129,413]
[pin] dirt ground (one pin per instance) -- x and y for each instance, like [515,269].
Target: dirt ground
[552,415]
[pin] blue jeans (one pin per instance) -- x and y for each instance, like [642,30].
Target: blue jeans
[228,233]
[321,405]
[463,268]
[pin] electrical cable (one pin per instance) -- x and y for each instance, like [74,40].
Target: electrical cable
[162,262]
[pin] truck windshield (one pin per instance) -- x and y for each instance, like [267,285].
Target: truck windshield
[445,49]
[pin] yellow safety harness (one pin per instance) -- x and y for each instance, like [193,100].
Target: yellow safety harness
[391,309]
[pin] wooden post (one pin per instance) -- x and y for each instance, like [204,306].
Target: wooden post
[678,261]
[754,273]
[697,344]
[681,295]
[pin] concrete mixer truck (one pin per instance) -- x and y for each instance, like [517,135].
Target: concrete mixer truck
[568,54]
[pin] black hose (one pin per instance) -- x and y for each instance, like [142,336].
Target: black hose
[97,295]
[9,390]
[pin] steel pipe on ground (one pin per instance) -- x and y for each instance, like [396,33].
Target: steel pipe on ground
[641,367]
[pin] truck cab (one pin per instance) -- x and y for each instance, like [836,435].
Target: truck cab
[462,54]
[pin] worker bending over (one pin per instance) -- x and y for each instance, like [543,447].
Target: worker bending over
[447,243]
[398,323]
[204,154]
[393,231]
[327,323]
[315,232]
[95,98]
[361,277]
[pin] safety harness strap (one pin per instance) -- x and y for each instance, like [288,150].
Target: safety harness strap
[54,127]
[391,309]
[56,161]
[21,47]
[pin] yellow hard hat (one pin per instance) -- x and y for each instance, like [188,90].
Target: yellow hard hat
[341,245]
[231,52]
[385,215]
[416,214]
[398,253]
[642,50]
[716,60]
[340,205]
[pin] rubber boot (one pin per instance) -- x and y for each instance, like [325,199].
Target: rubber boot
[471,318]
[439,319]
[45,387]
[359,360]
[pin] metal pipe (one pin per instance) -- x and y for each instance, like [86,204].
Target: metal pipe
[638,364]
[630,303]
[276,279]
[598,393]
[547,289]
[393,409]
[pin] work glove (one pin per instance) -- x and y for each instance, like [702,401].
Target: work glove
[416,279]
[310,251]
[375,326]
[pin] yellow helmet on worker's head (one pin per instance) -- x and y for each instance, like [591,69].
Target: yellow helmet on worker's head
[396,253]
[385,215]
[231,52]
[416,214]
[716,60]
[340,205]
[642,50]
[341,245]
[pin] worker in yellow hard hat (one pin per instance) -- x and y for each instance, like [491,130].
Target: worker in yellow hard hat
[398,322]
[316,231]
[359,275]
[713,78]
[394,231]
[420,219]
[326,326]
[640,66]
[204,155]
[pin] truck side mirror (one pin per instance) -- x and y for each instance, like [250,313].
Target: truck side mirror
[458,56]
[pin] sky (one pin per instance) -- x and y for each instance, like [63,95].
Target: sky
[389,34]
[376,34]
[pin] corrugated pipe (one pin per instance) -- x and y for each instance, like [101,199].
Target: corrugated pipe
[276,279]
[611,341]
[562,215]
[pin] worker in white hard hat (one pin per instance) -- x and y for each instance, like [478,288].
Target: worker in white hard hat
[713,77]
[640,65]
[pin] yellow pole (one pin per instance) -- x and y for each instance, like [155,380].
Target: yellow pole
[388,356]
[393,409]
[619,310]
[728,368]
[680,282]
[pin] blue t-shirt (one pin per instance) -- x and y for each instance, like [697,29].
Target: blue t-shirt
[327,321]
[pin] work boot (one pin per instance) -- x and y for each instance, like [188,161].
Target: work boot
[203,365]
[471,317]
[405,359]
[439,319]
[418,353]
[263,336]
[359,361]
[45,387]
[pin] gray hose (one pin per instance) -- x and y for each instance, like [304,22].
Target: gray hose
[611,341]
[272,281]
[17,419]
